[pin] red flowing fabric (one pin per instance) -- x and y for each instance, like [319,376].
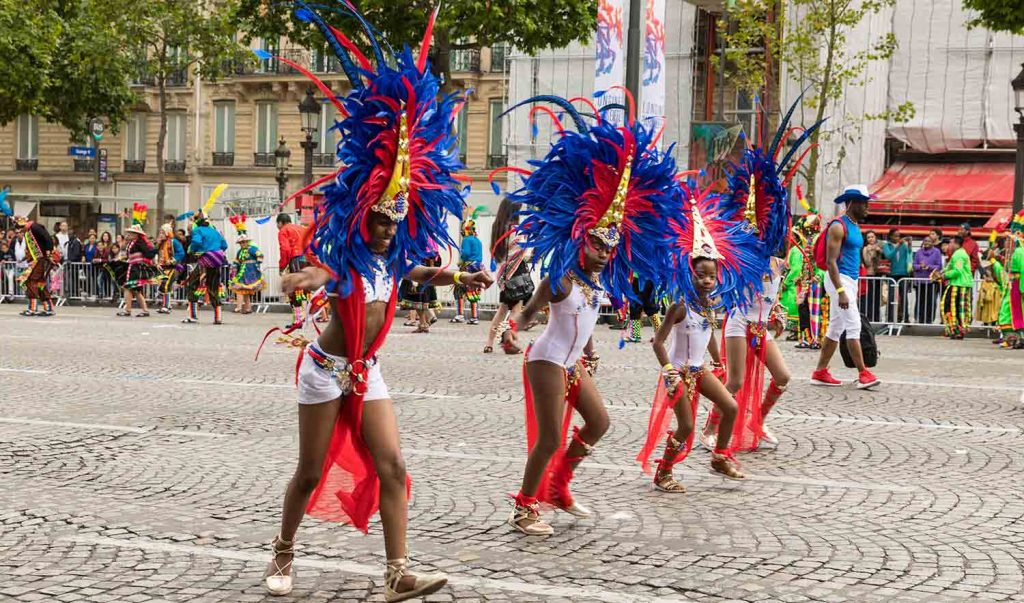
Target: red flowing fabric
[661,415]
[348,473]
[747,430]
[544,490]
[1016,308]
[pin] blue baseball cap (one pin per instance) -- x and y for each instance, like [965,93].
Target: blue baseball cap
[855,192]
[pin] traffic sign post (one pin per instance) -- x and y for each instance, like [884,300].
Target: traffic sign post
[103,165]
[96,127]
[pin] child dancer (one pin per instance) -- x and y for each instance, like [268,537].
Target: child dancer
[718,264]
[248,279]
[595,212]
[138,270]
[379,216]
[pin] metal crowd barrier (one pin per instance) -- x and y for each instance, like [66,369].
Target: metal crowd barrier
[896,303]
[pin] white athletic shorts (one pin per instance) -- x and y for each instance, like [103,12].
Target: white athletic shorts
[318,385]
[736,326]
[840,320]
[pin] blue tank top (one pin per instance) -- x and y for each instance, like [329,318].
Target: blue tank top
[849,253]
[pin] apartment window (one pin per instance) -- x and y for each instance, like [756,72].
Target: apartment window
[268,65]
[745,114]
[496,140]
[177,135]
[266,132]
[327,140]
[135,138]
[499,55]
[28,137]
[462,131]
[224,123]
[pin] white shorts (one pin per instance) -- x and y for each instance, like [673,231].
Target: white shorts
[318,385]
[840,320]
[736,326]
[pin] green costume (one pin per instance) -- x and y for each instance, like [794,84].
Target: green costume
[787,296]
[956,301]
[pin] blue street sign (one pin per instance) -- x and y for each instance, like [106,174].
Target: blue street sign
[82,151]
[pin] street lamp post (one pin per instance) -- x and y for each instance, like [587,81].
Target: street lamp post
[1018,174]
[281,155]
[309,109]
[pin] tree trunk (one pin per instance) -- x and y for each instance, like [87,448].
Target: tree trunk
[823,91]
[443,63]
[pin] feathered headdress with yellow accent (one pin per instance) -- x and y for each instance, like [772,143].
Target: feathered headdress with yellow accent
[604,183]
[239,222]
[758,183]
[702,231]
[396,154]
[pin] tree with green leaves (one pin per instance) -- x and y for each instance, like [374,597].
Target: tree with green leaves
[528,25]
[63,62]
[179,39]
[998,15]
[815,47]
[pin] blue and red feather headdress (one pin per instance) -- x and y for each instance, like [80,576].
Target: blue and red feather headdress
[702,230]
[397,156]
[758,185]
[604,181]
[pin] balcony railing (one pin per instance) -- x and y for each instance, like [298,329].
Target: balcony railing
[317,62]
[264,159]
[84,165]
[178,78]
[26,165]
[134,166]
[496,161]
[174,167]
[464,60]
[323,160]
[223,159]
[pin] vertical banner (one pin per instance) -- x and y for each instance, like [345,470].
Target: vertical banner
[652,75]
[610,66]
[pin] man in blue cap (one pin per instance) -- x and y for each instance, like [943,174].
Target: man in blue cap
[842,258]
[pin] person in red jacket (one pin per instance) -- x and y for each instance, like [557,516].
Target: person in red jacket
[292,260]
[970,246]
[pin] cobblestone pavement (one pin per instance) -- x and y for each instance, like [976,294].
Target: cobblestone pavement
[145,460]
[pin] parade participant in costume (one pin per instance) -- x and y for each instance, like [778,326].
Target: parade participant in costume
[138,270]
[248,278]
[956,301]
[471,259]
[758,197]
[391,198]
[805,280]
[41,257]
[716,259]
[647,304]
[1015,272]
[514,280]
[596,211]
[207,248]
[842,257]
[291,260]
[170,260]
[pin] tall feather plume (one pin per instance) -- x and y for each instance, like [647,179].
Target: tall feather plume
[338,45]
[561,103]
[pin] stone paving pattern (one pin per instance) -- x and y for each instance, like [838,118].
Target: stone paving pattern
[145,460]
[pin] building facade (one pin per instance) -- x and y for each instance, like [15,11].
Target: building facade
[223,131]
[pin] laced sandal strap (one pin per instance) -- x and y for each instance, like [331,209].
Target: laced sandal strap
[666,481]
[395,571]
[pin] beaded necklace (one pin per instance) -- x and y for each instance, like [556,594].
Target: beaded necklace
[591,294]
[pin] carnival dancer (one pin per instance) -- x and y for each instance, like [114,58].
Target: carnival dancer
[596,211]
[291,260]
[1015,272]
[170,260]
[842,247]
[207,248]
[40,254]
[380,212]
[758,196]
[248,272]
[138,270]
[514,280]
[806,281]
[956,301]
[718,264]
[471,259]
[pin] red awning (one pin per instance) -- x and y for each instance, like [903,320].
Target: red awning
[932,189]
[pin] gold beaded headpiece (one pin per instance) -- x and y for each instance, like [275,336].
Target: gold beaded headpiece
[607,229]
[394,201]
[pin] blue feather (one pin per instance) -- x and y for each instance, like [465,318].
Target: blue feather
[5,207]
[307,15]
[561,103]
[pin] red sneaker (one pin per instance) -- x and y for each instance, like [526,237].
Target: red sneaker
[867,379]
[823,377]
